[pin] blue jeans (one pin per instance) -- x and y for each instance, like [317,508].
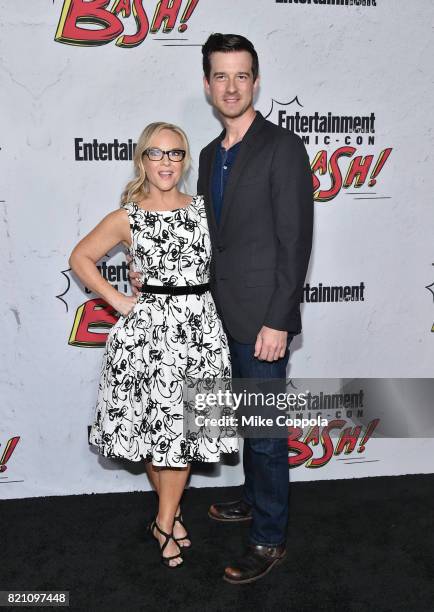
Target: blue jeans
[266,470]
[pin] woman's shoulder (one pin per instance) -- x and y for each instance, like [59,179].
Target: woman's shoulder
[115,221]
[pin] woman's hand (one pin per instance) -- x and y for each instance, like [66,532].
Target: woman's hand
[124,303]
[135,277]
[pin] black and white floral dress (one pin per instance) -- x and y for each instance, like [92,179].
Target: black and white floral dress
[161,342]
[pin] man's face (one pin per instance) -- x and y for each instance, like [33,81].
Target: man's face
[231,87]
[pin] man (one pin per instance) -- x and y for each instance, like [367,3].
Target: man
[257,184]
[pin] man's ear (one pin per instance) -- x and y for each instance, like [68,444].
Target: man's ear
[256,84]
[206,84]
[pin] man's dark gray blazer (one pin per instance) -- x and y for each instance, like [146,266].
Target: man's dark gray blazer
[262,246]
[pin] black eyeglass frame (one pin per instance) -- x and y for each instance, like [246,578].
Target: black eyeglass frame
[163,153]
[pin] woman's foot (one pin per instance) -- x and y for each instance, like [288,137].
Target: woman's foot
[171,554]
[180,533]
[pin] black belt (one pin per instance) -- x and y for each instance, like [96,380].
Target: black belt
[175,289]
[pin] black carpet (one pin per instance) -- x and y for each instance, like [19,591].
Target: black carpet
[354,545]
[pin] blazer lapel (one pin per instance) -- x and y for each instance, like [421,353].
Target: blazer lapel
[247,149]
[240,162]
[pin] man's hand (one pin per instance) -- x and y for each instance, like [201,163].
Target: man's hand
[135,278]
[270,344]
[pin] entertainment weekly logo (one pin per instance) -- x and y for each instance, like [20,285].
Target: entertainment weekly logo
[97,150]
[109,17]
[341,162]
[351,441]
[340,438]
[93,317]
[333,293]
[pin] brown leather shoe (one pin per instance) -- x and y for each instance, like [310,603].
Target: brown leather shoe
[230,512]
[256,563]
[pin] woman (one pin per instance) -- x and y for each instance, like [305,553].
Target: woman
[170,333]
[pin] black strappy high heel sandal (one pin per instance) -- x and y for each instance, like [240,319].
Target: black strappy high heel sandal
[165,560]
[178,519]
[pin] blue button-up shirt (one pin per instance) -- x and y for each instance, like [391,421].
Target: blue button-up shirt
[224,160]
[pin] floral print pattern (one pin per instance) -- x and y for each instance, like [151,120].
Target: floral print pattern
[163,342]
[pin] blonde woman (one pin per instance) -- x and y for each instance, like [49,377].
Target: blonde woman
[169,332]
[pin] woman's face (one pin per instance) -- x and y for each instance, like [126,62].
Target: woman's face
[165,174]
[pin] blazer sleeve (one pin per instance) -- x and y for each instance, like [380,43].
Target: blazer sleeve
[292,205]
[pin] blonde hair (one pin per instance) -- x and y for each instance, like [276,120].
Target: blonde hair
[138,188]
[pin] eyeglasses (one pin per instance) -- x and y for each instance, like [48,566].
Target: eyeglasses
[175,155]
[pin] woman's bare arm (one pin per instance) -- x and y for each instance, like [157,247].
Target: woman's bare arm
[112,230]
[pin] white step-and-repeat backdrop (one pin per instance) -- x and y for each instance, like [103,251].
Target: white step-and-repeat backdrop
[78,82]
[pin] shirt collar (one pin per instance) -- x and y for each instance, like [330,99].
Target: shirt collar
[234,148]
[258,121]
